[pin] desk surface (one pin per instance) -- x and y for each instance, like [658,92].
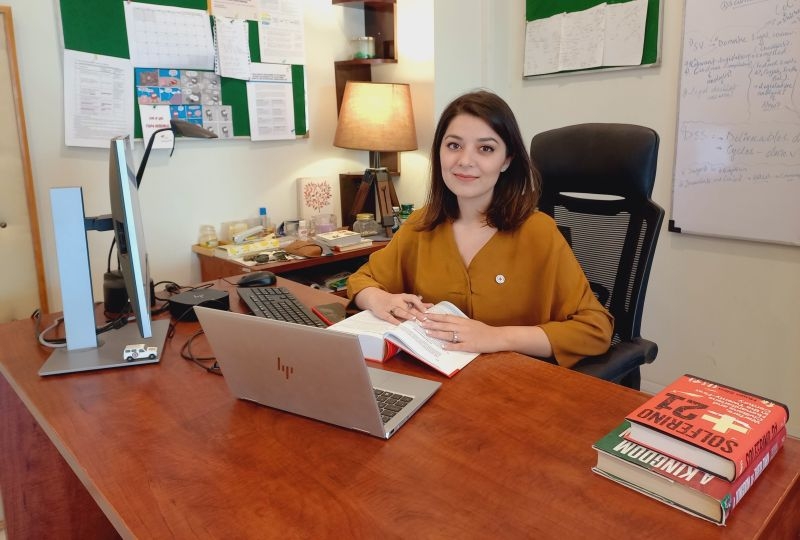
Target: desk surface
[503,450]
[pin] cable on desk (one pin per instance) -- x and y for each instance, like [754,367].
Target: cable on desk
[187,354]
[169,286]
[174,288]
[55,343]
[181,317]
[62,342]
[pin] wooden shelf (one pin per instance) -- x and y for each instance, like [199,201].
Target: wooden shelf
[379,23]
[363,3]
[364,62]
[212,267]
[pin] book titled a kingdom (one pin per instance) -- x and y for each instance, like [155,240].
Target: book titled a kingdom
[717,428]
[380,340]
[674,482]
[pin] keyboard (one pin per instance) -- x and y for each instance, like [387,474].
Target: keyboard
[279,304]
[390,403]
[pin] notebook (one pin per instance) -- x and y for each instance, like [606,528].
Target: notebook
[309,371]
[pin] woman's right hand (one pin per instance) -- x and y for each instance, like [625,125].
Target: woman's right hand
[394,308]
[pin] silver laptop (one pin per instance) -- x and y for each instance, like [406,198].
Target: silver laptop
[309,371]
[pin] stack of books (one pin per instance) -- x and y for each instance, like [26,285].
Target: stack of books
[343,240]
[697,445]
[341,237]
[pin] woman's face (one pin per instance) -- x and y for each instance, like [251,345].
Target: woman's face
[472,156]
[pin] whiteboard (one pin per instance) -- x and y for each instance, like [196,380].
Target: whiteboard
[737,150]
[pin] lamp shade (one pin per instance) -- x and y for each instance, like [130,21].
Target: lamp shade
[377,117]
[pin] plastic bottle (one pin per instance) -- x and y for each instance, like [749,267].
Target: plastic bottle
[302,230]
[265,221]
[396,218]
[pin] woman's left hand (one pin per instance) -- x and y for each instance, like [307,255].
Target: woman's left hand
[460,333]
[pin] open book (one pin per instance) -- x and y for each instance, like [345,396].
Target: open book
[380,340]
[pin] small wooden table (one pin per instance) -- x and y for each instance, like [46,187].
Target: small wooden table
[502,450]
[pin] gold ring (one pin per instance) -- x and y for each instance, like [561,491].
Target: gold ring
[455,337]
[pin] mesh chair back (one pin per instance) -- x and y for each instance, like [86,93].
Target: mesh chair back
[597,183]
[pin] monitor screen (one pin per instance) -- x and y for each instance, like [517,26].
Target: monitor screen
[129,232]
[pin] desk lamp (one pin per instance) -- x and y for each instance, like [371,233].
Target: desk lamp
[377,117]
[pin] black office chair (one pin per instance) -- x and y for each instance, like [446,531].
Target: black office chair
[614,235]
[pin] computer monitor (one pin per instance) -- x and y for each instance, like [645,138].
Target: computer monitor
[86,349]
[129,232]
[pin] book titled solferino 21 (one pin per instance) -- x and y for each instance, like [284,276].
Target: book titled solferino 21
[717,428]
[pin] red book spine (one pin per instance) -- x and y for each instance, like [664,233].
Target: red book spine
[743,484]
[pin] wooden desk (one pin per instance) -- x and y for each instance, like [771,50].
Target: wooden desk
[212,267]
[503,450]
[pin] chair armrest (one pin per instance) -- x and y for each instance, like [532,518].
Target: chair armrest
[620,360]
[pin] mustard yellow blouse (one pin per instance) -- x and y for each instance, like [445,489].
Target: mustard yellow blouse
[528,277]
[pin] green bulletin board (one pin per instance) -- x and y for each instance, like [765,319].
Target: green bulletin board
[651,53]
[98,27]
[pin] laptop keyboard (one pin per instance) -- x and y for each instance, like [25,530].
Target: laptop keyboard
[390,403]
[279,304]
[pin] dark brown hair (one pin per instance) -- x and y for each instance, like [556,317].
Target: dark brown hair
[516,193]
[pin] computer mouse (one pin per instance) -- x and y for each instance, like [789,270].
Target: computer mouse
[261,278]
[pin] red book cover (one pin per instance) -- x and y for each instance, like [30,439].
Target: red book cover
[674,482]
[717,428]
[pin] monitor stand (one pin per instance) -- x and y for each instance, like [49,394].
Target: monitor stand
[86,350]
[108,353]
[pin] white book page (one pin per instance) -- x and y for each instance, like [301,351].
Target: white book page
[363,322]
[411,337]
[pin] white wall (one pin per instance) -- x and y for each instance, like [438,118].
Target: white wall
[723,309]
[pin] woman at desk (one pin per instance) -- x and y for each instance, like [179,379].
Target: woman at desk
[480,243]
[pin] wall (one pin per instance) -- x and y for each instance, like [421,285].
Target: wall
[723,309]
[207,181]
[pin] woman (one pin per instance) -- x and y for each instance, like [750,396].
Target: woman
[480,243]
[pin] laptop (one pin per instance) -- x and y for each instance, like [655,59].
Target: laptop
[309,371]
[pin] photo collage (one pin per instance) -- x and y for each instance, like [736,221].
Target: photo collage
[191,95]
